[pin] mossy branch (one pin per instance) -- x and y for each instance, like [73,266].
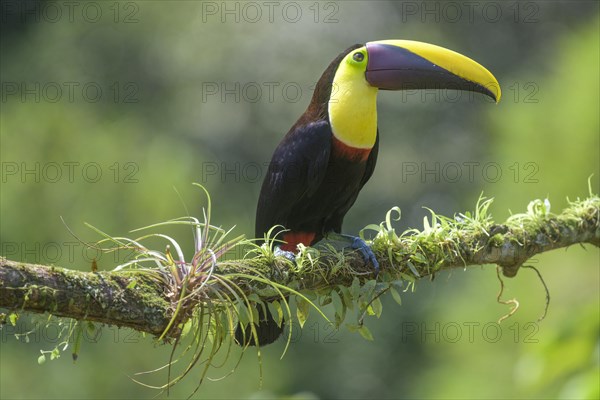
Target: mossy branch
[143,300]
[106,297]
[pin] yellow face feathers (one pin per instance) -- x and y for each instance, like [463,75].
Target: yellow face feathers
[353,102]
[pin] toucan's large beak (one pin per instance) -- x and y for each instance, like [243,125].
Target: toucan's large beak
[406,64]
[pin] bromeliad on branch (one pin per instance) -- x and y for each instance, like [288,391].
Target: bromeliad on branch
[329,154]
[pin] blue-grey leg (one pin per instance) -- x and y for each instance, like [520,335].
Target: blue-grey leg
[356,243]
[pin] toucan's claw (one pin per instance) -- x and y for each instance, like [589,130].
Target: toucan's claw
[287,254]
[365,250]
[357,243]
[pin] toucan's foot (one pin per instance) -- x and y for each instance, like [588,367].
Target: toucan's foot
[367,253]
[287,254]
[357,243]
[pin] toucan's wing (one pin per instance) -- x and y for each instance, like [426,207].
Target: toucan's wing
[296,171]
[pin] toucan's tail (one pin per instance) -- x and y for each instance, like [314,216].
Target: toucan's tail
[267,330]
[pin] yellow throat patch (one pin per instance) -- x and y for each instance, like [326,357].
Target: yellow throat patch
[353,103]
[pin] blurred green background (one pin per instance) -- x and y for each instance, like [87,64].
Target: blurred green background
[106,107]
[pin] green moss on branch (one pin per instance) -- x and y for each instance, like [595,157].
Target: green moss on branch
[128,299]
[140,299]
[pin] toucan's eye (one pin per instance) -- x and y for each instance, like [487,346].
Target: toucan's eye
[358,57]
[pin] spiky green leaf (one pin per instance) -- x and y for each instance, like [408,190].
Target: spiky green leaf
[395,295]
[302,310]
[365,333]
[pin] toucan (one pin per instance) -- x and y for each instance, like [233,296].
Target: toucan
[328,155]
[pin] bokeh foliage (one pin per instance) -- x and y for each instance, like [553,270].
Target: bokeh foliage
[174,133]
